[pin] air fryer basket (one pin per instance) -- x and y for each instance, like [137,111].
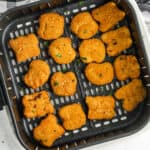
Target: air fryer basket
[24,20]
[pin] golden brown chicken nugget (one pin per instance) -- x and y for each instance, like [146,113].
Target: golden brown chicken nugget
[51,26]
[99,74]
[92,50]
[62,51]
[64,84]
[73,116]
[25,47]
[48,131]
[37,104]
[126,66]
[132,94]
[38,74]
[117,40]
[83,25]
[100,107]
[108,15]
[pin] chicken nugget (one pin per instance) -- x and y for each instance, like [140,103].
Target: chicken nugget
[99,74]
[48,131]
[64,84]
[73,116]
[100,107]
[83,25]
[25,47]
[108,16]
[92,50]
[126,66]
[51,26]
[117,40]
[37,104]
[132,94]
[38,74]
[61,50]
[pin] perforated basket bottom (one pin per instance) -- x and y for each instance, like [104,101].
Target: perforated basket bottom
[29,24]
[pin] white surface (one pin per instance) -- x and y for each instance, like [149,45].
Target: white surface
[138,141]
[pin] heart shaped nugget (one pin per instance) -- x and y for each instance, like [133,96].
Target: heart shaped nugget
[38,74]
[64,84]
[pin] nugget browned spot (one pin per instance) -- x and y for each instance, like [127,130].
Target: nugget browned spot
[99,74]
[62,51]
[51,26]
[132,94]
[108,15]
[48,131]
[64,84]
[25,47]
[100,107]
[92,50]
[38,74]
[73,116]
[117,40]
[37,104]
[83,25]
[126,66]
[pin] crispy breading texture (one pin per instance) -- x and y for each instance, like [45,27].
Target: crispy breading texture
[38,74]
[37,104]
[108,16]
[132,94]
[48,131]
[64,84]
[92,50]
[117,40]
[126,66]
[51,26]
[73,116]
[25,47]
[99,74]
[100,107]
[83,25]
[61,50]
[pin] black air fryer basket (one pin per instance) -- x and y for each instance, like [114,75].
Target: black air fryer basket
[24,20]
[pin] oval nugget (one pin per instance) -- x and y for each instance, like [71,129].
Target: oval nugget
[64,84]
[61,50]
[83,25]
[92,50]
[51,26]
[99,74]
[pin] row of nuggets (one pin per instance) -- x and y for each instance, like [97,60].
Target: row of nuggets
[72,115]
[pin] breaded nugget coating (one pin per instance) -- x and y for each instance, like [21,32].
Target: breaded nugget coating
[64,84]
[73,116]
[99,74]
[37,104]
[100,107]
[61,50]
[132,94]
[117,40]
[25,47]
[48,131]
[51,26]
[126,66]
[108,16]
[38,74]
[92,50]
[83,25]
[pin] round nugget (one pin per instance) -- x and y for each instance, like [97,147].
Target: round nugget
[84,26]
[64,84]
[99,74]
[92,50]
[51,26]
[38,74]
[61,50]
